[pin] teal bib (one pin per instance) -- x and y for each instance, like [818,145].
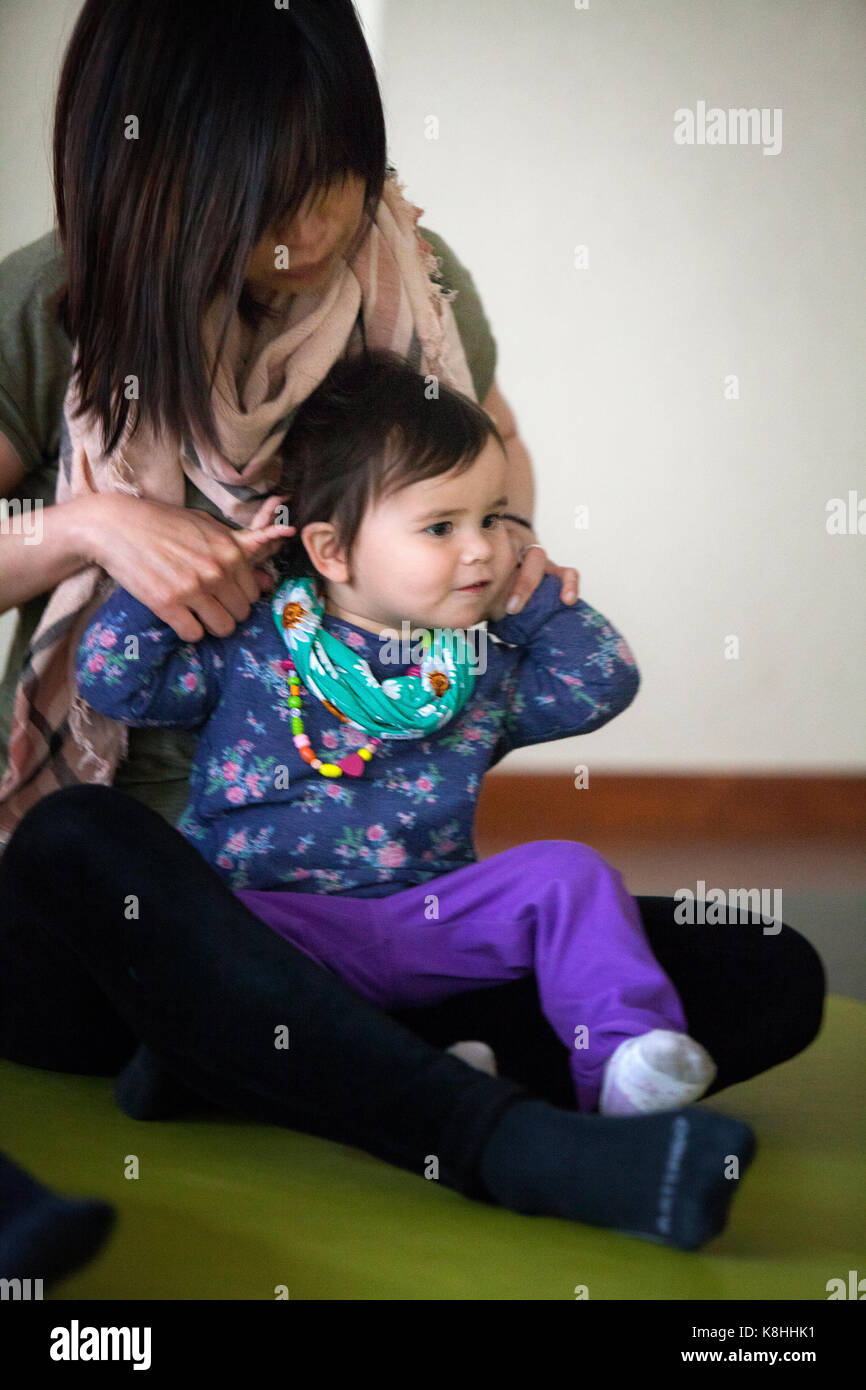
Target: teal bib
[402,707]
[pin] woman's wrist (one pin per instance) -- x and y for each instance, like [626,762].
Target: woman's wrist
[88,526]
[66,530]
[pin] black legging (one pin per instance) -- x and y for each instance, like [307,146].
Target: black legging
[86,975]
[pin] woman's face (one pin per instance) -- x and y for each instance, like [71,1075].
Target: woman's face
[321,231]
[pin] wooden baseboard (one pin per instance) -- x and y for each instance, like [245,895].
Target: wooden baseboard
[548,806]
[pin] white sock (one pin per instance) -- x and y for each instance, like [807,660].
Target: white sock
[659,1070]
[477,1055]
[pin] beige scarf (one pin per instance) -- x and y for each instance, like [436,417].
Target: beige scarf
[383,297]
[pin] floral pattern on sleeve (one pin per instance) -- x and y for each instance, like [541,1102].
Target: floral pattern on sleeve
[574,673]
[140,673]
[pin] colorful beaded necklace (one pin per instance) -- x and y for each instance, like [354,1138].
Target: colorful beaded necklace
[427,697]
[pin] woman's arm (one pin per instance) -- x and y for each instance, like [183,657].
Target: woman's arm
[520,489]
[39,546]
[520,486]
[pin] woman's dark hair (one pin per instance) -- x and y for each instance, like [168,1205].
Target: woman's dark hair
[243,109]
[371,428]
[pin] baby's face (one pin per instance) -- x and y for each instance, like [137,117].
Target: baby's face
[413,561]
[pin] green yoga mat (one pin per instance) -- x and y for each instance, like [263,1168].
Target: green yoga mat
[224,1208]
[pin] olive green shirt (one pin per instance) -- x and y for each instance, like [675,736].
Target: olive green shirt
[35,366]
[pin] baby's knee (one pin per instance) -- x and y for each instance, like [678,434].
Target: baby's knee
[569,857]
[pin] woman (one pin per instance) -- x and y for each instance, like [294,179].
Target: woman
[223,199]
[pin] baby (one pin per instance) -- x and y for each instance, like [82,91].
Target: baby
[346,724]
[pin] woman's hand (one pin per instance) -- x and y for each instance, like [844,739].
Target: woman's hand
[528,574]
[194,572]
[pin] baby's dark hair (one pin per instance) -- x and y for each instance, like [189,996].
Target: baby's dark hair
[372,427]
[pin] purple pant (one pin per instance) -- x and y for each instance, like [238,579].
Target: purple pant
[553,907]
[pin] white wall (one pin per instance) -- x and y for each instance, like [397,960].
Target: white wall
[32,40]
[707,516]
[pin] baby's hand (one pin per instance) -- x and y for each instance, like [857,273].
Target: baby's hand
[265,514]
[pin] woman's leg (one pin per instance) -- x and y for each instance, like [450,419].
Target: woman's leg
[96,881]
[510,1020]
[751,998]
[115,929]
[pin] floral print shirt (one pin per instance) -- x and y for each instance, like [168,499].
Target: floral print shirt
[264,819]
